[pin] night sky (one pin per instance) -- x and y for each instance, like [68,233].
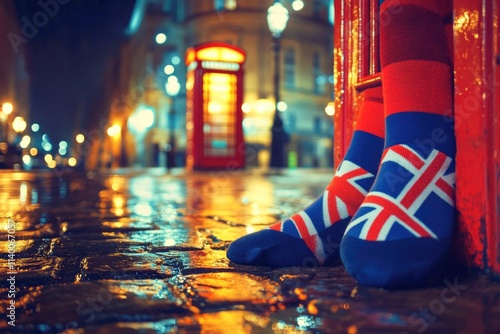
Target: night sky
[66,60]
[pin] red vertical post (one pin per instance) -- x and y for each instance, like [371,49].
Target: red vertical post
[347,45]
[476,119]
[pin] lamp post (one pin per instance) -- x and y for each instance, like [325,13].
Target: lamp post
[138,123]
[277,18]
[7,109]
[172,87]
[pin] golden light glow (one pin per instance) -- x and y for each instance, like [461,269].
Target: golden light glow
[330,109]
[26,159]
[246,107]
[219,78]
[190,56]
[353,329]
[214,107]
[48,158]
[25,141]
[114,130]
[119,205]
[7,108]
[250,229]
[264,105]
[169,69]
[218,53]
[118,201]
[219,86]
[72,162]
[52,164]
[80,138]
[33,151]
[19,124]
[189,82]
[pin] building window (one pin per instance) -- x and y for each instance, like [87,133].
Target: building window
[290,68]
[319,80]
[317,125]
[292,122]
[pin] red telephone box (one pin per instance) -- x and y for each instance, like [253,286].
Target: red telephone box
[214,95]
[477,108]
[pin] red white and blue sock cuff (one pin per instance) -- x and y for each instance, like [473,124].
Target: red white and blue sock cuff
[422,131]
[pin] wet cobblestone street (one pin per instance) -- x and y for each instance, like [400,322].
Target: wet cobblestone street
[144,252]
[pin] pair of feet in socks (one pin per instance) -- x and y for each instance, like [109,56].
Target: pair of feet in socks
[388,213]
[390,222]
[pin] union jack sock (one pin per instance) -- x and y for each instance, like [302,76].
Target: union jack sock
[401,233]
[312,236]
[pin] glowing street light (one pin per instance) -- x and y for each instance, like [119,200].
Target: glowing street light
[169,69]
[282,106]
[7,108]
[330,109]
[138,124]
[141,120]
[25,141]
[114,130]
[80,138]
[161,38]
[172,87]
[297,5]
[19,124]
[26,159]
[277,18]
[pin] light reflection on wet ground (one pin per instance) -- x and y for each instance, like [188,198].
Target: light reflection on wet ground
[145,253]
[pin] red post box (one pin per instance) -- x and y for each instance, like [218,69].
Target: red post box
[214,95]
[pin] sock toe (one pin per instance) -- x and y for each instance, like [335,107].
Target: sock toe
[393,264]
[270,248]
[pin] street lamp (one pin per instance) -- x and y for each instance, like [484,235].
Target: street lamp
[277,18]
[138,124]
[172,87]
[19,124]
[7,109]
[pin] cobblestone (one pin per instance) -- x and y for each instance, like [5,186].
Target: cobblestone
[129,252]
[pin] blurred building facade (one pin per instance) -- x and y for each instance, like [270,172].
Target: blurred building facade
[145,116]
[14,78]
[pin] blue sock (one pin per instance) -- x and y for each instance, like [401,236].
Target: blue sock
[402,231]
[312,236]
